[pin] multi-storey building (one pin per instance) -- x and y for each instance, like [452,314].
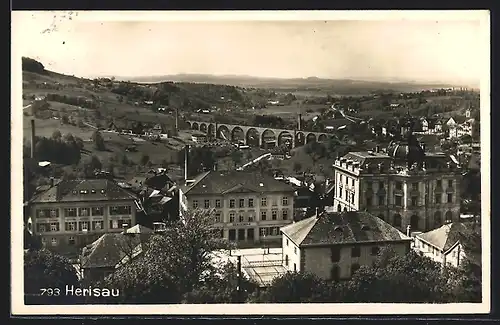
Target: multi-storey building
[74,213]
[405,186]
[248,206]
[335,245]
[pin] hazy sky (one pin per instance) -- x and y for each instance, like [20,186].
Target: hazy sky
[447,51]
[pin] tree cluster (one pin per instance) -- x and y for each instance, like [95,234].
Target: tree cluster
[58,149]
[32,65]
[74,100]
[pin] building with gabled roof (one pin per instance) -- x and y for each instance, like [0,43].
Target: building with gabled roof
[335,245]
[452,243]
[73,213]
[103,256]
[249,207]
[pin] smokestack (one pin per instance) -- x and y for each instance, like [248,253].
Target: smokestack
[33,138]
[299,122]
[186,162]
[176,120]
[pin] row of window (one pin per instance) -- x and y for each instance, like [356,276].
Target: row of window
[398,200]
[218,203]
[355,252]
[414,186]
[82,225]
[397,220]
[84,212]
[250,218]
[344,179]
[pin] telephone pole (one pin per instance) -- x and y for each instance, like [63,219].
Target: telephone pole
[238,288]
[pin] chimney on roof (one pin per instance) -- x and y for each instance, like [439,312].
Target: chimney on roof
[33,138]
[176,121]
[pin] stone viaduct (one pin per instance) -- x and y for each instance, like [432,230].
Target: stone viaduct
[257,136]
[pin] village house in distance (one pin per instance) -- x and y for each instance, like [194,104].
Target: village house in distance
[74,213]
[335,245]
[249,206]
[404,184]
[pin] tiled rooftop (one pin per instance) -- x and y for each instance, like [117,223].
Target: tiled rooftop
[84,190]
[222,182]
[341,228]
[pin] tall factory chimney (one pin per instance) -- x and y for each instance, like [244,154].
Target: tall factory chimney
[186,163]
[176,121]
[32,138]
[299,122]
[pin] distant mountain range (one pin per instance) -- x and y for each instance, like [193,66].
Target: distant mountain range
[311,83]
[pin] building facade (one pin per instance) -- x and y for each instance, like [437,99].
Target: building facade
[335,245]
[405,186]
[249,207]
[74,213]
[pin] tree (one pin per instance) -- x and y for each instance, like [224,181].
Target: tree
[175,264]
[293,287]
[56,135]
[297,167]
[98,140]
[43,270]
[200,160]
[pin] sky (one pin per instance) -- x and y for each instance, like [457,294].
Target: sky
[413,49]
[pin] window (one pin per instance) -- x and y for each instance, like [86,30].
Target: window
[450,198]
[206,204]
[54,226]
[439,183]
[369,185]
[54,213]
[352,198]
[217,203]
[41,227]
[274,214]
[83,226]
[41,214]
[414,186]
[414,201]
[70,212]
[354,268]
[232,203]
[217,217]
[381,200]
[97,211]
[275,201]
[335,273]
[113,224]
[241,203]
[263,232]
[286,260]
[263,215]
[70,226]
[71,241]
[352,182]
[231,216]
[284,201]
[356,251]
[241,217]
[97,225]
[450,183]
[295,250]
[53,241]
[250,203]
[287,242]
[399,201]
[399,185]
[263,202]
[285,214]
[335,254]
[294,267]
[437,198]
[126,209]
[275,231]
[250,218]
[375,250]
[232,234]
[368,201]
[195,204]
